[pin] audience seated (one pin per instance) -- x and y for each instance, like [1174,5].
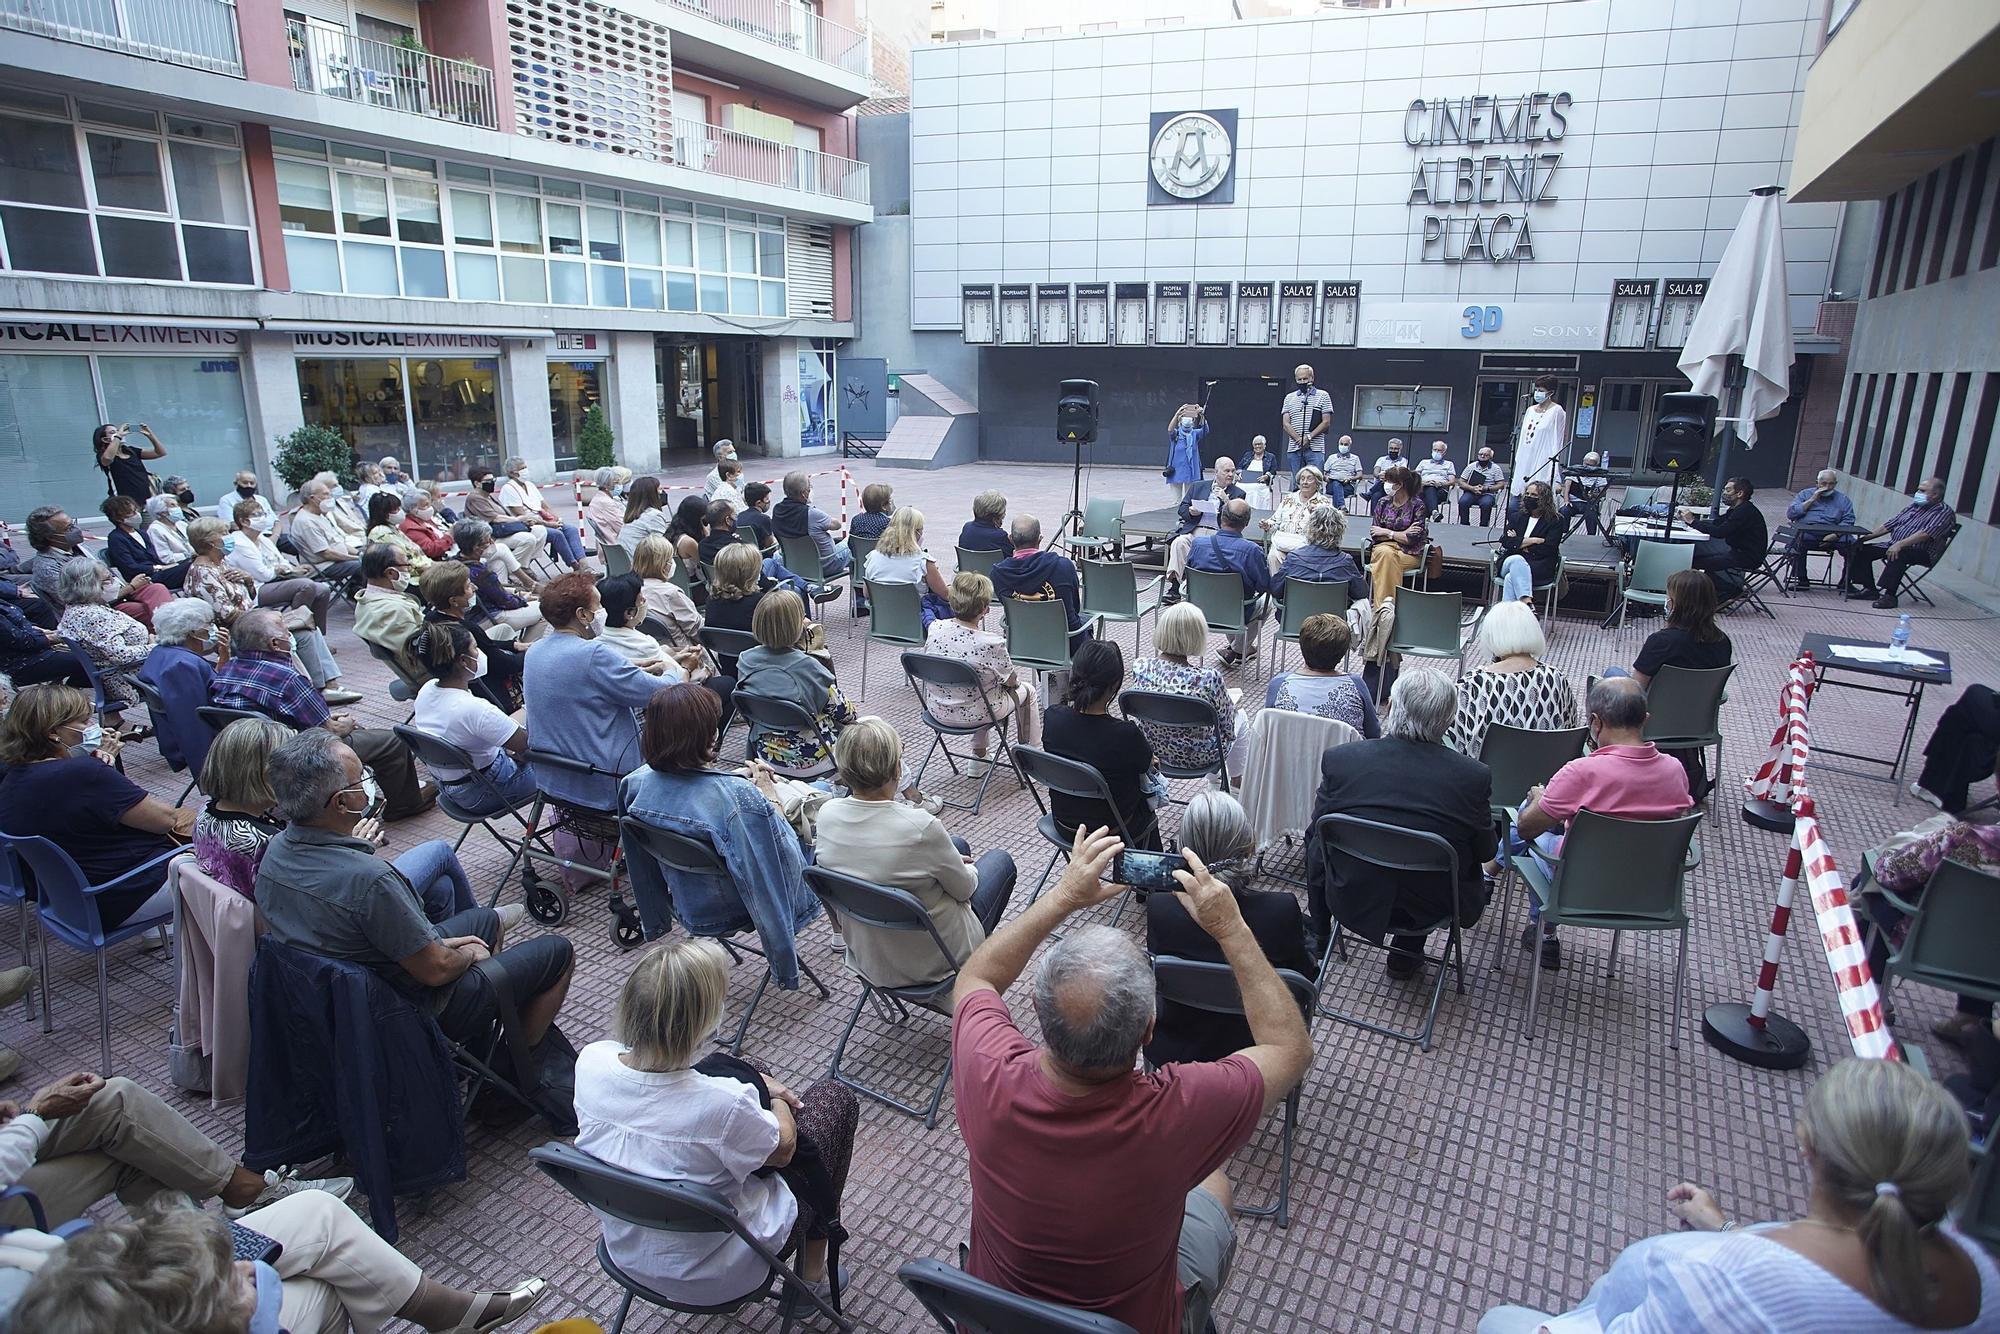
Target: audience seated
[624,610]
[165,529]
[280,580]
[29,653]
[690,528]
[322,889]
[583,696]
[1290,525]
[740,812]
[1083,729]
[385,528]
[178,669]
[1515,689]
[872,836]
[987,530]
[519,535]
[724,449]
[1959,753]
[83,1137]
[496,602]
[645,513]
[899,558]
[320,538]
[728,483]
[1410,779]
[1397,534]
[755,517]
[523,500]
[1321,560]
[1530,543]
[448,709]
[423,526]
[1095,1185]
[1033,575]
[231,590]
[649,1102]
[260,677]
[1320,687]
[1876,1251]
[877,506]
[131,552]
[964,639]
[720,523]
[1690,639]
[385,612]
[777,668]
[57,785]
[797,516]
[1622,776]
[113,641]
[1227,551]
[447,595]
[1217,831]
[1180,641]
[57,539]
[233,829]
[606,510]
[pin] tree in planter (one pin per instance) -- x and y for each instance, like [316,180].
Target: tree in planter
[310,450]
[594,440]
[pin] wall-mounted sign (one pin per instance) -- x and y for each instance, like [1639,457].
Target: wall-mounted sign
[1052,312]
[582,346]
[134,336]
[1631,317]
[1489,194]
[1253,314]
[1170,314]
[1296,302]
[1192,158]
[1130,314]
[1340,322]
[1677,310]
[1017,314]
[1093,313]
[1526,325]
[426,342]
[1211,314]
[975,312]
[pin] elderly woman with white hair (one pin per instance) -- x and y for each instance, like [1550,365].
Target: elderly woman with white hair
[166,530]
[606,510]
[1180,643]
[1290,525]
[1515,689]
[114,642]
[1215,829]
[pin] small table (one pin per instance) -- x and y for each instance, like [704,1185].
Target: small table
[1910,681]
[1810,535]
[1656,530]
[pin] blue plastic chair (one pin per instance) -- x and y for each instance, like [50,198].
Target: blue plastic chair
[14,887]
[67,904]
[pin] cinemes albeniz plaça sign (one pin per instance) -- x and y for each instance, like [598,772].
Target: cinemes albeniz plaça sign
[1490,193]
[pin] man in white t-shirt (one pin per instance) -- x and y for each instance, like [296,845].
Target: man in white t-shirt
[724,449]
[1343,470]
[1305,416]
[1435,476]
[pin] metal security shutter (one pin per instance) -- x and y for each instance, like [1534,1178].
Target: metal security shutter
[332,11]
[808,269]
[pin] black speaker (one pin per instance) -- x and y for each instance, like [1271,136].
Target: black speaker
[1680,439]
[1076,412]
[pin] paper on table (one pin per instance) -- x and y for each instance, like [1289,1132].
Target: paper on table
[1876,653]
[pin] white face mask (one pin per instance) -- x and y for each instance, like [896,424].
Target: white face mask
[1344,448]
[1437,453]
[1541,396]
[1921,497]
[1187,423]
[112,588]
[92,738]
[261,523]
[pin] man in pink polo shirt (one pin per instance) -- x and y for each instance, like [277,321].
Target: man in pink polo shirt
[1094,1185]
[1624,776]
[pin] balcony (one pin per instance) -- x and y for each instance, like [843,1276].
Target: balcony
[761,42]
[329,60]
[200,34]
[745,157]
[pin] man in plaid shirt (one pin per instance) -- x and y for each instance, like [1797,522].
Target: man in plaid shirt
[260,676]
[1916,536]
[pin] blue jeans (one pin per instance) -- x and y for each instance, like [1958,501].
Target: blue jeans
[507,784]
[995,871]
[1466,500]
[836,564]
[566,542]
[1516,579]
[1296,459]
[1337,492]
[433,868]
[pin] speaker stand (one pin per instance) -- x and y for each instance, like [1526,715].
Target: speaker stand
[1072,522]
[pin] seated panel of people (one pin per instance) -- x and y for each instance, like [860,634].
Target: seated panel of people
[1290,524]
[1321,559]
[1530,543]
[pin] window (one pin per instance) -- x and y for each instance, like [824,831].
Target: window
[170,205]
[1402,407]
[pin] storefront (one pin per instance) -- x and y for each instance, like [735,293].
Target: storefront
[60,381]
[432,400]
[576,385]
[710,389]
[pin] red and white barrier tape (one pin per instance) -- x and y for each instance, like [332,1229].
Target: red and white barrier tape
[1782,779]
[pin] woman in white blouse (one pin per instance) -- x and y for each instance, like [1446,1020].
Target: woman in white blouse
[166,531]
[899,558]
[964,639]
[1289,523]
[645,1104]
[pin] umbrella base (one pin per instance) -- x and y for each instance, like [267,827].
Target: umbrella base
[1779,1045]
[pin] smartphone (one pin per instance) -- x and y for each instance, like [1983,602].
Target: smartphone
[1148,871]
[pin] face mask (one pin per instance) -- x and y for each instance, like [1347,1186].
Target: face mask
[206,642]
[112,588]
[260,523]
[246,491]
[270,1301]
[478,663]
[92,738]
[393,476]
[185,497]
[1343,449]
[286,647]
[487,485]
[1921,497]
[618,493]
[1305,384]
[1541,396]
[1485,459]
[398,580]
[423,515]
[1437,453]
[370,789]
[1187,423]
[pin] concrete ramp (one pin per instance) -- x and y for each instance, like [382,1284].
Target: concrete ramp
[935,427]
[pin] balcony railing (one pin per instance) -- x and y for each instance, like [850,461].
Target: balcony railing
[328,59]
[746,157]
[790,25]
[200,34]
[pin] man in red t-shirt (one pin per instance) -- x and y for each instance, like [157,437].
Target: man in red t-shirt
[1625,776]
[1093,1185]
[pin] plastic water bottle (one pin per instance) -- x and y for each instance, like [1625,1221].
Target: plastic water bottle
[1900,641]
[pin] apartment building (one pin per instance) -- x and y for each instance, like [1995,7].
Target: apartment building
[444,228]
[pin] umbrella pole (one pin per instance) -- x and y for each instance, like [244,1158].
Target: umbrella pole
[1733,379]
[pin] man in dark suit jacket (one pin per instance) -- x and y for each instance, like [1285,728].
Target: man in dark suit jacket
[1222,487]
[1406,778]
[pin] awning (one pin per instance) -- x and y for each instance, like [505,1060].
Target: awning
[145,321]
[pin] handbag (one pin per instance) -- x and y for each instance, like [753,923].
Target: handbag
[1434,562]
[806,1174]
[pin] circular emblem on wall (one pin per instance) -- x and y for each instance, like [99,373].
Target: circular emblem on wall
[1191,155]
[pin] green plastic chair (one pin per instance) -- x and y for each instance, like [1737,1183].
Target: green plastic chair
[1520,759]
[1645,578]
[1103,528]
[1684,711]
[1427,626]
[1979,1216]
[895,617]
[1112,592]
[1303,598]
[617,560]
[859,548]
[1954,940]
[1220,597]
[801,556]
[980,562]
[1614,875]
[679,576]
[1037,633]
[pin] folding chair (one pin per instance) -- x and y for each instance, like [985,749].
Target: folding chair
[1521,758]
[781,715]
[1072,778]
[1684,711]
[1112,592]
[1102,533]
[403,684]
[1301,599]
[1614,875]
[1391,848]
[1428,625]
[1037,633]
[883,908]
[682,1207]
[924,669]
[219,716]
[895,617]
[549,816]
[1220,598]
[438,753]
[694,856]
[1914,575]
[617,560]
[980,561]
[858,548]
[1954,939]
[1165,709]
[801,556]
[962,1304]
[1212,987]
[1643,579]
[163,723]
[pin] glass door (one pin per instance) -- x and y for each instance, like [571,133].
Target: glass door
[1626,413]
[1498,402]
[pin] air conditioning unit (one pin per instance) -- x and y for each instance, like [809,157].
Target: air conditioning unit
[1836,320]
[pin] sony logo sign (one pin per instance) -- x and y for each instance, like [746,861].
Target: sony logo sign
[1589,332]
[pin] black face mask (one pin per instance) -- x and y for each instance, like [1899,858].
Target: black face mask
[487,485]
[245,491]
[185,497]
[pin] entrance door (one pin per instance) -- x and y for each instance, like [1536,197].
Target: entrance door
[1241,408]
[1498,402]
[710,389]
[1626,412]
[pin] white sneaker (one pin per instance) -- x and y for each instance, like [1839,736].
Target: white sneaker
[511,915]
[1921,793]
[279,1184]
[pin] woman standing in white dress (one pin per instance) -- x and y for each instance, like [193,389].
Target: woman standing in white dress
[1544,435]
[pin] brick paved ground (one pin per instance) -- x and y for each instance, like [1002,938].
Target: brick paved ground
[1429,1186]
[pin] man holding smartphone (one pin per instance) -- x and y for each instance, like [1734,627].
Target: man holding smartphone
[1059,1133]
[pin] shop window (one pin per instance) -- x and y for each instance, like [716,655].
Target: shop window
[573,387]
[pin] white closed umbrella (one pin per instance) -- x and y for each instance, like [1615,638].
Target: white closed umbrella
[1739,347]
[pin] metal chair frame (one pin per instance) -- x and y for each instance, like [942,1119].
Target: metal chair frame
[1424,608]
[549,904]
[1657,561]
[1072,778]
[1166,709]
[156,705]
[1124,601]
[781,715]
[1914,575]
[962,1304]
[922,669]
